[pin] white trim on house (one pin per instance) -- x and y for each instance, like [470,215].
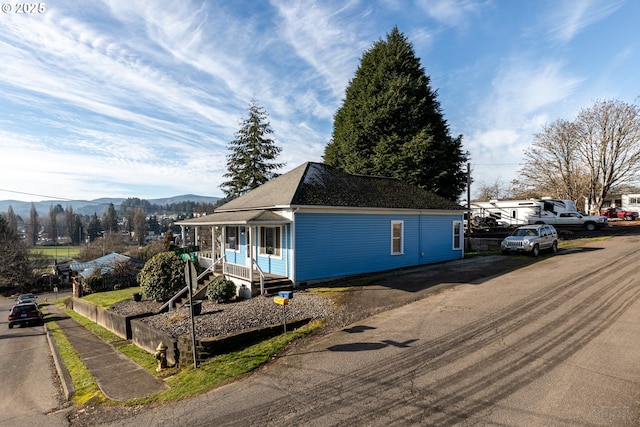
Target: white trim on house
[399,238]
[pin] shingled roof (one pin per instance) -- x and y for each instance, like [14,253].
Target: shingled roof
[317,184]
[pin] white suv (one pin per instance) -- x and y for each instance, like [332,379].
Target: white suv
[531,239]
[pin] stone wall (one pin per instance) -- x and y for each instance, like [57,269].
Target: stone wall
[209,347]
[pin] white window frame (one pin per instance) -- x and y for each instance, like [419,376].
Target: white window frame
[277,246]
[395,238]
[457,236]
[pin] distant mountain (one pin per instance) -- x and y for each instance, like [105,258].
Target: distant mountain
[88,207]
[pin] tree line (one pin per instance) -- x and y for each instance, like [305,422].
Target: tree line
[132,216]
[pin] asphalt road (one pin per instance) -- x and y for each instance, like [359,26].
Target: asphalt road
[551,343]
[30,393]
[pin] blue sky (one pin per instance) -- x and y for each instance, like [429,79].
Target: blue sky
[127,98]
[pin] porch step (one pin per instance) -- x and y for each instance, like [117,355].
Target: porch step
[273,287]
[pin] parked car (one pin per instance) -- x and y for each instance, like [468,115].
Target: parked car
[531,239]
[26,298]
[620,214]
[22,314]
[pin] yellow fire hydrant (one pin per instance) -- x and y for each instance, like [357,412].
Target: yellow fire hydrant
[161,357]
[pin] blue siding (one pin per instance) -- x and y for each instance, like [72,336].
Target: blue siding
[238,256]
[331,245]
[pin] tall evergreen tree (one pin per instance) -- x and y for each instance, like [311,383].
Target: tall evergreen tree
[110,219]
[391,124]
[251,161]
[33,229]
[94,228]
[12,219]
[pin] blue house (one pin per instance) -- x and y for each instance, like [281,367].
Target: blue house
[316,223]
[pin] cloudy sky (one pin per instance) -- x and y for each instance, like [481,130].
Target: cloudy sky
[124,98]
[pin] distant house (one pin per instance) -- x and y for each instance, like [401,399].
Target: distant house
[317,223]
[114,268]
[629,202]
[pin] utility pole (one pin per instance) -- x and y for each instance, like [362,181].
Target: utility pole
[468,206]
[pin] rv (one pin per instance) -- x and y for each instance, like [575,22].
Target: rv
[513,213]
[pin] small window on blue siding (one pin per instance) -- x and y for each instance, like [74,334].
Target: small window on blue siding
[270,241]
[397,237]
[457,235]
[232,238]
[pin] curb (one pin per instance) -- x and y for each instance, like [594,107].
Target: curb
[63,373]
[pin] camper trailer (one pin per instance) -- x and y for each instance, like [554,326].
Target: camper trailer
[513,213]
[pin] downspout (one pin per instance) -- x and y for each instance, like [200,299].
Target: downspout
[292,249]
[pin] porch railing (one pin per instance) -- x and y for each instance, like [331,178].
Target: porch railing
[236,270]
[261,276]
[244,272]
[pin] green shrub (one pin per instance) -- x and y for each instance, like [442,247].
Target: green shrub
[92,284]
[162,276]
[221,290]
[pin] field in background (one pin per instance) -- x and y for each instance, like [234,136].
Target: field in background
[59,252]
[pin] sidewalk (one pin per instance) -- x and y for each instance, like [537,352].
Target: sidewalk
[118,377]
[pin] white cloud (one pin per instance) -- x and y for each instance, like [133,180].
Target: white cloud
[568,18]
[451,13]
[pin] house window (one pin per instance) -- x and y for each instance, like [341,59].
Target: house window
[270,241]
[457,235]
[232,237]
[397,237]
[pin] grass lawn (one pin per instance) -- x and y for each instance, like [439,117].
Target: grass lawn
[59,252]
[107,299]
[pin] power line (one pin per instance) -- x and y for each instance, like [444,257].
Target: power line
[36,195]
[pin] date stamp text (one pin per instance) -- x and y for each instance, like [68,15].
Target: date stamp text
[23,8]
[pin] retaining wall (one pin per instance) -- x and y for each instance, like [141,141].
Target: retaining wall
[148,339]
[116,323]
[209,347]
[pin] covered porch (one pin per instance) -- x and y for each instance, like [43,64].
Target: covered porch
[251,248]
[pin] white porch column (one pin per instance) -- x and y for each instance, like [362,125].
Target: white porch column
[214,246]
[250,249]
[183,235]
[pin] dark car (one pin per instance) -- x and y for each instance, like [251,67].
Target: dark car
[26,298]
[22,314]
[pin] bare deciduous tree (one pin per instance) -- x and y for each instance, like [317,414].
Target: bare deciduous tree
[608,135]
[553,163]
[585,157]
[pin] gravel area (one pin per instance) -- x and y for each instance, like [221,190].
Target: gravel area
[216,320]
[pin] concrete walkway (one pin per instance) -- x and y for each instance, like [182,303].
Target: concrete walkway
[118,377]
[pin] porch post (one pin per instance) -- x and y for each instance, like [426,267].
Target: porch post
[250,249]
[214,242]
[183,235]
[223,245]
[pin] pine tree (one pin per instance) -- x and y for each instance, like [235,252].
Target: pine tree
[391,124]
[110,219]
[94,228]
[251,161]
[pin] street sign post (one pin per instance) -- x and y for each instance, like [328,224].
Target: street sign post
[190,276]
[187,252]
